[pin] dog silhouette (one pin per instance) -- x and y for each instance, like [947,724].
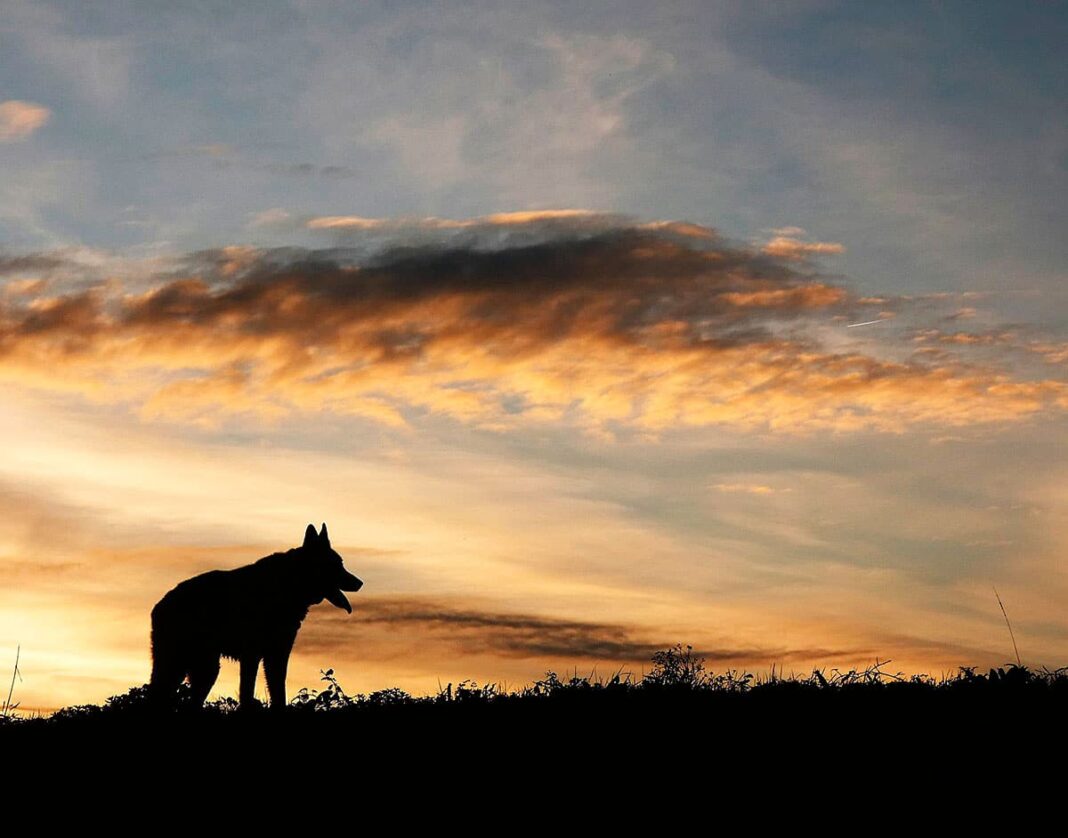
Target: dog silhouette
[249,614]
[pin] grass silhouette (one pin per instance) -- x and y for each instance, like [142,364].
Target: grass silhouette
[679,740]
[678,680]
[679,726]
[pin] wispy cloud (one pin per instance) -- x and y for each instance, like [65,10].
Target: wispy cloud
[96,66]
[19,120]
[501,219]
[746,488]
[224,156]
[469,631]
[34,263]
[793,249]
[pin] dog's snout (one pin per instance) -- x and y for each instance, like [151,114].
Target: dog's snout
[352,583]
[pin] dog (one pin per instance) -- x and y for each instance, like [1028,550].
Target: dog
[249,614]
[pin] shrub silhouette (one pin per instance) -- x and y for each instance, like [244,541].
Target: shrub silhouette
[332,697]
[677,667]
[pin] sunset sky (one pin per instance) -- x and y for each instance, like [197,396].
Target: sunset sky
[548,311]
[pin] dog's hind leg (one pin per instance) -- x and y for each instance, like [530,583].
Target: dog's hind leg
[163,685]
[202,677]
[250,666]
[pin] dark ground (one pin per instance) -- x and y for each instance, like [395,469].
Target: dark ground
[678,715]
[995,739]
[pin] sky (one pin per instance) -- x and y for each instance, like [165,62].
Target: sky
[550,313]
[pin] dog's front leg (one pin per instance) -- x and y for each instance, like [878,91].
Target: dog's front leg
[250,666]
[275,666]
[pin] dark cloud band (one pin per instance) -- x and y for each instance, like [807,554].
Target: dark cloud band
[390,623]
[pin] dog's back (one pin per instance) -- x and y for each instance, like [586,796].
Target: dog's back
[226,612]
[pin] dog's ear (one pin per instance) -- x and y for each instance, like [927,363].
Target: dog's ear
[324,537]
[310,538]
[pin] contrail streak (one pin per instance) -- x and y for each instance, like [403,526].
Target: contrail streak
[867,322]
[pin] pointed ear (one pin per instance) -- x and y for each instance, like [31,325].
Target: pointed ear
[310,538]
[324,536]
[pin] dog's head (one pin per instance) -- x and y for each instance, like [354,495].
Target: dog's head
[321,567]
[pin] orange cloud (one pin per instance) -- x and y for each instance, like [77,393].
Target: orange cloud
[1051,352]
[814,295]
[500,219]
[639,327]
[794,250]
[745,488]
[19,120]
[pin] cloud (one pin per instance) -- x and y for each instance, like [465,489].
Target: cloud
[459,629]
[501,218]
[530,118]
[746,488]
[19,120]
[995,337]
[570,219]
[814,295]
[637,327]
[794,250]
[224,156]
[96,67]
[1051,352]
[36,531]
[276,216]
[13,265]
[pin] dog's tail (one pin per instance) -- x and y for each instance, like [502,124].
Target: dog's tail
[167,665]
